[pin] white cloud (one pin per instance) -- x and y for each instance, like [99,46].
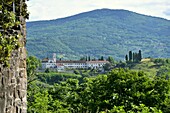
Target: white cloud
[53,9]
[167,12]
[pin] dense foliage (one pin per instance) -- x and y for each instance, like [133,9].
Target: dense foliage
[10,10]
[32,65]
[119,88]
[100,33]
[118,91]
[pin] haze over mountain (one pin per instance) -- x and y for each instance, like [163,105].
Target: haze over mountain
[102,32]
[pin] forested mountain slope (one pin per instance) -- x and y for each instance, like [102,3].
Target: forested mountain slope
[101,32]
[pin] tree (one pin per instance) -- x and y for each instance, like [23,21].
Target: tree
[126,58]
[83,58]
[136,88]
[107,66]
[102,58]
[139,55]
[76,72]
[133,57]
[94,59]
[89,58]
[120,90]
[40,104]
[136,57]
[134,91]
[130,56]
[47,70]
[32,65]
[111,60]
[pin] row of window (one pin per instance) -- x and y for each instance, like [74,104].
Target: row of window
[50,64]
[73,64]
[77,63]
[77,66]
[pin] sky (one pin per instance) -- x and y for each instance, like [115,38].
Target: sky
[54,9]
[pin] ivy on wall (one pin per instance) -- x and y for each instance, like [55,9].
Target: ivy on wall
[11,12]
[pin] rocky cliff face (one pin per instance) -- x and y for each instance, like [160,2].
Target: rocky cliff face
[13,79]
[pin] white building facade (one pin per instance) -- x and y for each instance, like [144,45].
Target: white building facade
[72,64]
[96,64]
[82,64]
[49,63]
[77,64]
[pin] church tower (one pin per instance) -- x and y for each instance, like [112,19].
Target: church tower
[54,57]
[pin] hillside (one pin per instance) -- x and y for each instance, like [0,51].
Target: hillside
[99,32]
[156,66]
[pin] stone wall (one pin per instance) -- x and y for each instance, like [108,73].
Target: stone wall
[13,80]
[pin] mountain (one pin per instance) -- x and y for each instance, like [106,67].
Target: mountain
[102,32]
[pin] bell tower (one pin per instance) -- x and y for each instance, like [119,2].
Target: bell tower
[54,57]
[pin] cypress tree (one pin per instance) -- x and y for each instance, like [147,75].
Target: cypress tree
[126,58]
[89,58]
[133,57]
[139,55]
[130,55]
[102,58]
